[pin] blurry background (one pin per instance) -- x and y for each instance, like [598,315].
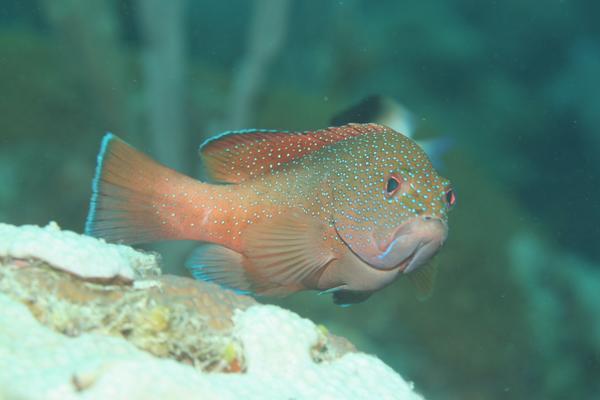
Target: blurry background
[515,85]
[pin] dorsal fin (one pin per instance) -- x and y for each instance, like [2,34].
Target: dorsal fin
[236,156]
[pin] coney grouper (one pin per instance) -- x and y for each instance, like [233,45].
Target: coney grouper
[344,210]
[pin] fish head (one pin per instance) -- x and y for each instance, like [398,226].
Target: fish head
[390,205]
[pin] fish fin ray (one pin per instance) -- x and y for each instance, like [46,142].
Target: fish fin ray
[423,279]
[333,289]
[218,264]
[236,156]
[127,187]
[288,265]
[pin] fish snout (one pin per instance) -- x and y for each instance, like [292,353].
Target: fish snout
[414,243]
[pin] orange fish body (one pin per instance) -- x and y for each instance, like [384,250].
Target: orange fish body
[343,209]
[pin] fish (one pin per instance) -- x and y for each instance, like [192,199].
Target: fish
[343,210]
[382,109]
[388,111]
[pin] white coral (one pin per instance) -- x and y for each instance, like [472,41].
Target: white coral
[83,256]
[41,364]
[38,363]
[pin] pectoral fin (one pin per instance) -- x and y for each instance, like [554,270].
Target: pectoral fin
[423,279]
[287,253]
[281,255]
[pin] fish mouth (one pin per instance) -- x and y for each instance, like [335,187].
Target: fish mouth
[417,257]
[404,266]
[409,246]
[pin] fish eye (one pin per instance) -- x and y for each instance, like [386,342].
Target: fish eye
[450,197]
[392,186]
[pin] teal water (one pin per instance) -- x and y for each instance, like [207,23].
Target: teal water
[513,88]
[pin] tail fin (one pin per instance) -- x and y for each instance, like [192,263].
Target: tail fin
[135,199]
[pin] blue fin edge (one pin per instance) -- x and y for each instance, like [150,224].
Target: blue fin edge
[108,137]
[196,272]
[221,135]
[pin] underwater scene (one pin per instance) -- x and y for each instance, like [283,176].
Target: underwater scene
[286,199]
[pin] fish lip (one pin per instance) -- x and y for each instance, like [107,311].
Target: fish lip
[405,265]
[409,267]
